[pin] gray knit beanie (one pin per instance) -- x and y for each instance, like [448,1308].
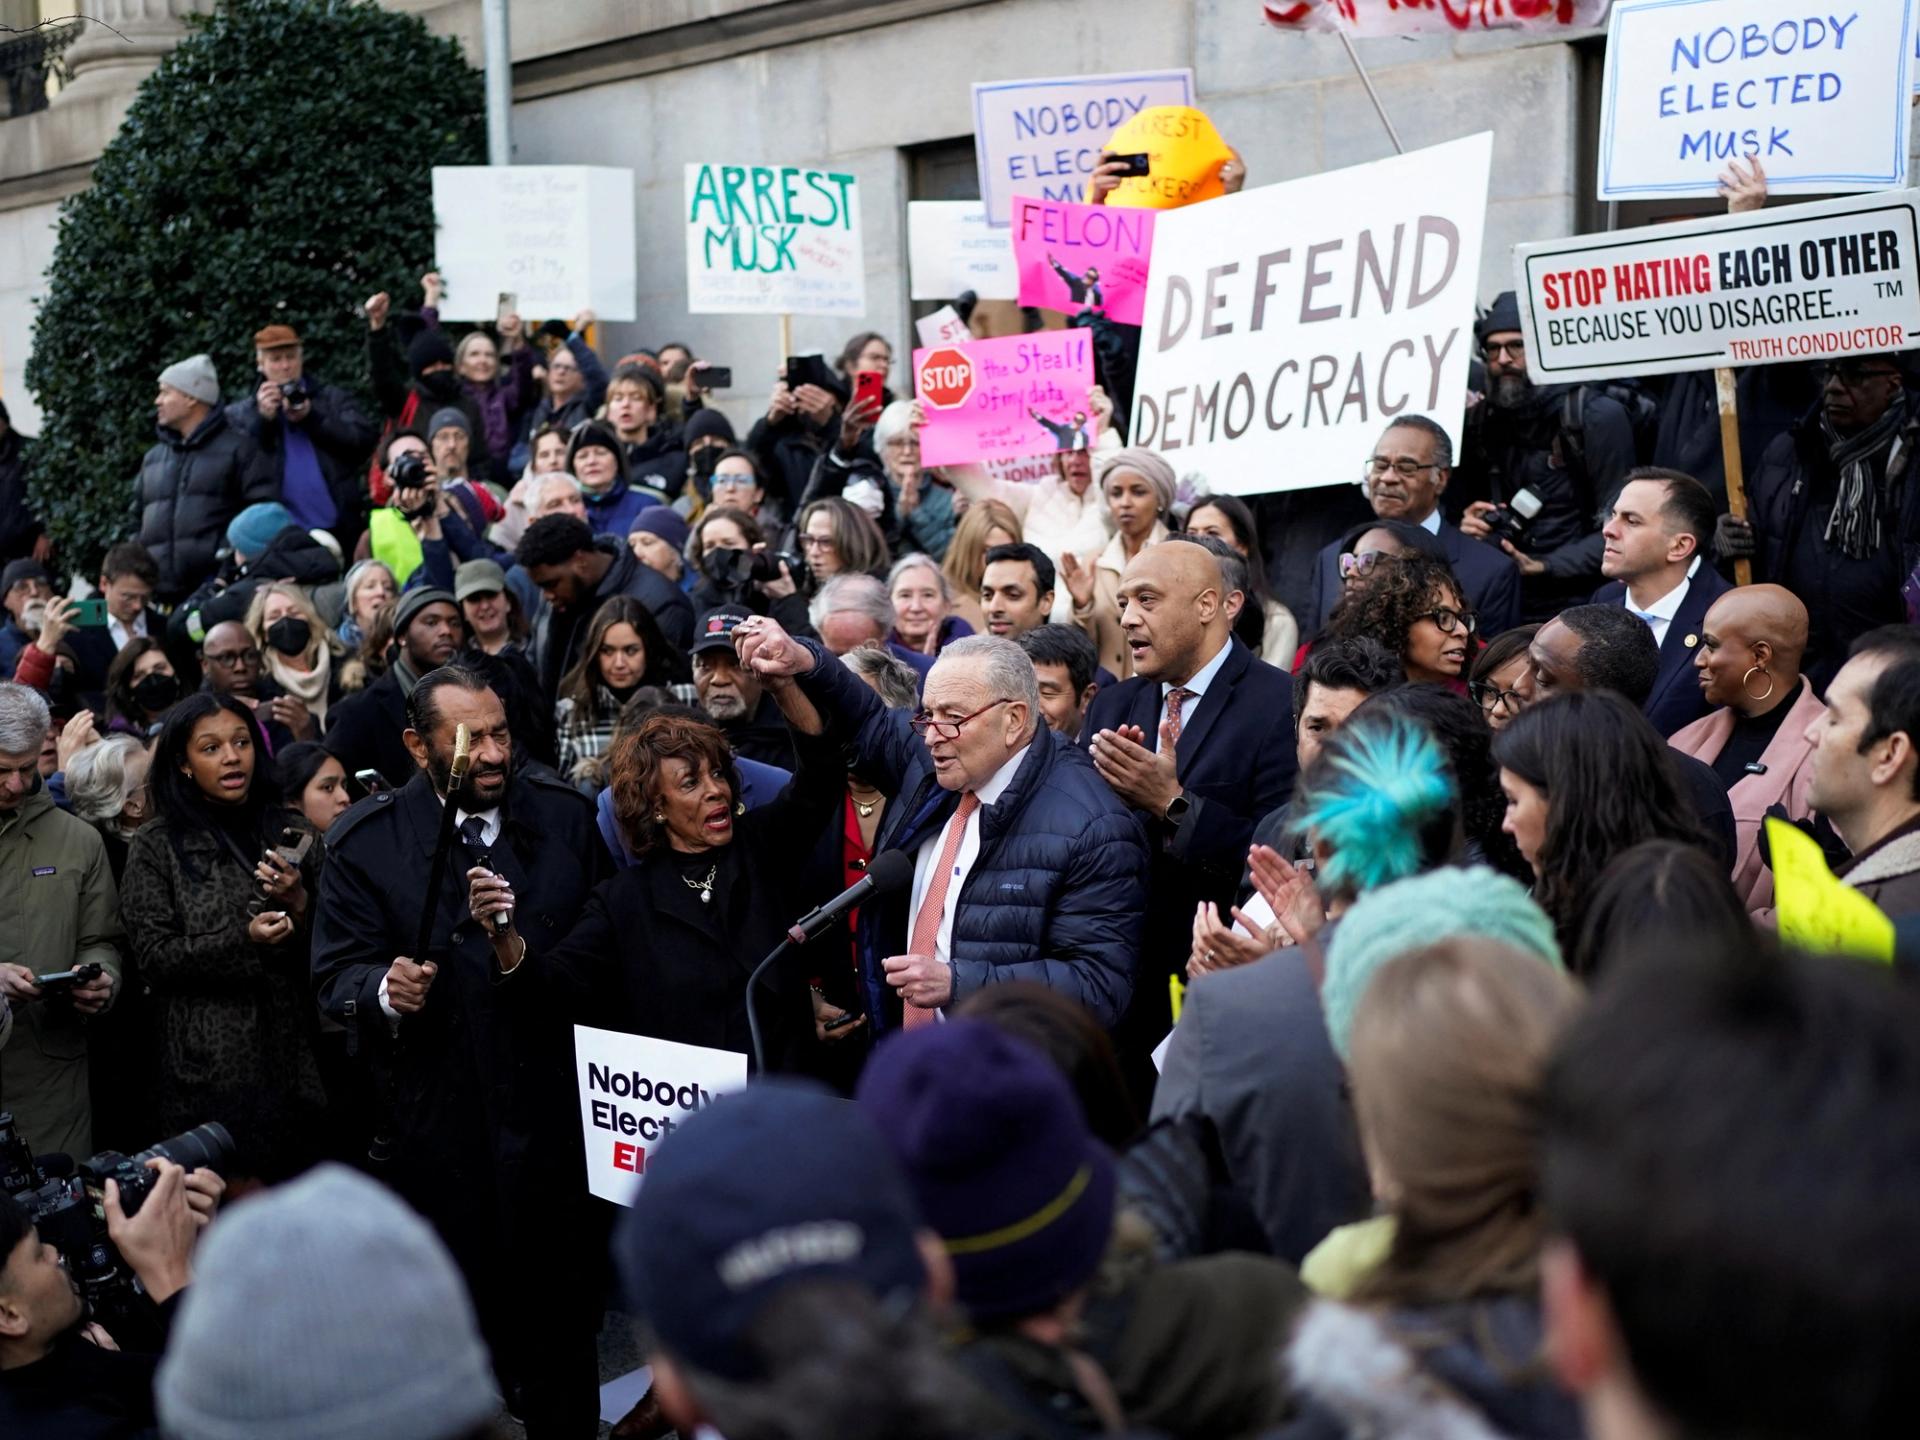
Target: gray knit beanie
[1143,462]
[194,376]
[324,1310]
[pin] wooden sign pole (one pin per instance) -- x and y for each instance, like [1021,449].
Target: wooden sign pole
[1730,454]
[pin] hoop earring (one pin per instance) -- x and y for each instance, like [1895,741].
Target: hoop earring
[1748,676]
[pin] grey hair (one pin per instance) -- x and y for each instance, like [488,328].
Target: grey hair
[1442,442]
[1009,670]
[858,594]
[24,719]
[896,420]
[920,560]
[97,781]
[892,679]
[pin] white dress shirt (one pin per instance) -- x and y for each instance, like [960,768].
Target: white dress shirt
[928,856]
[1432,523]
[1659,615]
[489,832]
[1197,688]
[121,632]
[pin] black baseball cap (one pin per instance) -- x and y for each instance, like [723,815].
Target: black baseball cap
[716,627]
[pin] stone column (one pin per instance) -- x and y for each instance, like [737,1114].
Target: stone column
[105,63]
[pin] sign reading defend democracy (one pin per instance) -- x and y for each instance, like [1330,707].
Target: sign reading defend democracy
[1043,137]
[1002,399]
[634,1092]
[1286,325]
[773,240]
[1818,92]
[558,238]
[1083,257]
[1824,278]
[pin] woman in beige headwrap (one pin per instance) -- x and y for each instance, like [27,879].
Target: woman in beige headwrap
[1138,488]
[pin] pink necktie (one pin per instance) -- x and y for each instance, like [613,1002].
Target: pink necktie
[926,925]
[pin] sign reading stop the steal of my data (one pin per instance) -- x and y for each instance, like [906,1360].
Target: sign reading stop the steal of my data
[1006,398]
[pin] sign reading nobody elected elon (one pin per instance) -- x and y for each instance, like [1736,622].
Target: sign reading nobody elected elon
[634,1092]
[1285,326]
[1825,278]
[773,240]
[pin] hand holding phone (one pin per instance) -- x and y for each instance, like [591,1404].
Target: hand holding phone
[1137,162]
[89,614]
[869,389]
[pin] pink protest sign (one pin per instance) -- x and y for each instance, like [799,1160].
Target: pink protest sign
[1083,257]
[1001,399]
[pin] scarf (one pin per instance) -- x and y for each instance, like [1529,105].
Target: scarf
[1856,526]
[403,672]
[309,687]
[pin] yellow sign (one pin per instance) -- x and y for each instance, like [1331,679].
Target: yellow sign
[1816,911]
[1184,155]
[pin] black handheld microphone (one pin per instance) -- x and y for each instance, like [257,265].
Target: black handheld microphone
[890,872]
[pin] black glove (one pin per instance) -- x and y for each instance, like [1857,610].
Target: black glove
[1733,538]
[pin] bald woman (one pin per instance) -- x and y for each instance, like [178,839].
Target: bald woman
[1755,738]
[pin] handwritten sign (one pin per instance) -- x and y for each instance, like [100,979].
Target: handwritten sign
[1001,399]
[1043,137]
[558,238]
[1803,282]
[952,249]
[1083,257]
[634,1092]
[1818,93]
[1285,326]
[1433,17]
[1184,155]
[773,240]
[1815,910]
[943,327]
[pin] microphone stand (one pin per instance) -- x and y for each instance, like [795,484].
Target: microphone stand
[753,1014]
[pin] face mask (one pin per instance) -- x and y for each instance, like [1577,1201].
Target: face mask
[705,461]
[157,691]
[289,635]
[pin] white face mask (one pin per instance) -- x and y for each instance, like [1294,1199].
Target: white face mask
[33,617]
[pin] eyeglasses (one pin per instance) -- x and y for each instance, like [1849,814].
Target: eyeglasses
[1497,348]
[1490,697]
[1405,469]
[1353,566]
[1852,374]
[228,659]
[949,729]
[1449,620]
[816,542]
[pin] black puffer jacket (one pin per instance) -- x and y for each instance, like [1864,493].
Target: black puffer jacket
[190,488]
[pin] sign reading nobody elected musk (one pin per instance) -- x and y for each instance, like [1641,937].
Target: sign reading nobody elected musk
[1285,326]
[1825,278]
[1818,91]
[773,240]
[634,1092]
[558,238]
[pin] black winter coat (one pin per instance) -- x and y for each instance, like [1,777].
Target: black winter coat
[343,438]
[365,731]
[190,488]
[559,634]
[19,526]
[293,555]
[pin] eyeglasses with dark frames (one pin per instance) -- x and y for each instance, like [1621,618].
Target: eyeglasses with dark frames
[949,729]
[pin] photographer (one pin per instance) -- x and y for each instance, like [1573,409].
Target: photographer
[734,568]
[420,534]
[313,433]
[66,1379]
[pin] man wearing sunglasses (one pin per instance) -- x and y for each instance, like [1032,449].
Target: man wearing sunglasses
[1832,507]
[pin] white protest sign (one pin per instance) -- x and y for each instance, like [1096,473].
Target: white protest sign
[943,327]
[1285,326]
[773,240]
[634,1092]
[558,238]
[1043,137]
[1834,277]
[1818,93]
[951,248]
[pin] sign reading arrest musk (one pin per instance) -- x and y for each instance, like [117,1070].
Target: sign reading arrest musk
[634,1092]
[1285,326]
[1827,278]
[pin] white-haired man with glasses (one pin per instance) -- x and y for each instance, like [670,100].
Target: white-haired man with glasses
[1026,866]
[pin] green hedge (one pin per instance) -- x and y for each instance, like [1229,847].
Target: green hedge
[276,167]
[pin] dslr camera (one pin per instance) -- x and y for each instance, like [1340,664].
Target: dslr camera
[67,1204]
[1510,521]
[735,572]
[408,471]
[295,393]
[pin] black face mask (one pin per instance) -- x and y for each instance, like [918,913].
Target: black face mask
[290,635]
[706,461]
[440,385]
[156,692]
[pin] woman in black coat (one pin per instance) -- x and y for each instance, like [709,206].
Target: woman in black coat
[665,947]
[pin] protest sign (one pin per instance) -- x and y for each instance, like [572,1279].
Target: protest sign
[634,1092]
[1184,155]
[1369,18]
[1825,278]
[1816,911]
[1001,399]
[773,240]
[1082,257]
[951,249]
[1820,96]
[557,238]
[1285,326]
[1043,137]
[943,327]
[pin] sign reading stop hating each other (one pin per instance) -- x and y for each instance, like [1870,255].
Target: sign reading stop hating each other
[1002,399]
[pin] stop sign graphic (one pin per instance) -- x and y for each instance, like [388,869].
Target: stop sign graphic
[945,378]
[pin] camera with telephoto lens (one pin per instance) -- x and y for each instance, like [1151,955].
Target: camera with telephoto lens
[408,471]
[1510,521]
[69,1209]
[734,572]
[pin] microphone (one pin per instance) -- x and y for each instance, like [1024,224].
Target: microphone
[891,871]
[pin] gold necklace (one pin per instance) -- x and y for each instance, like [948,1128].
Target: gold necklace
[865,807]
[705,887]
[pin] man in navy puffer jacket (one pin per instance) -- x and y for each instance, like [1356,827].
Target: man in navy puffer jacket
[1026,866]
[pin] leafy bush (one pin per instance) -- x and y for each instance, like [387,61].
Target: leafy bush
[275,168]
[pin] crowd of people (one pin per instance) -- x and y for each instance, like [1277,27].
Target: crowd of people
[1292,999]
